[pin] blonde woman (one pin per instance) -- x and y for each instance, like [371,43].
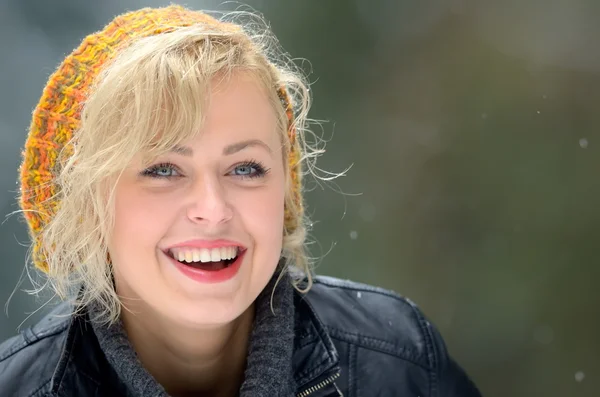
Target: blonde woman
[162,184]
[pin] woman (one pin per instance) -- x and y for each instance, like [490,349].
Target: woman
[162,185]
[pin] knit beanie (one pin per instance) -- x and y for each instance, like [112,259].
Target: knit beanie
[57,116]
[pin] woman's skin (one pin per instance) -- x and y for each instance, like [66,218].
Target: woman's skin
[228,183]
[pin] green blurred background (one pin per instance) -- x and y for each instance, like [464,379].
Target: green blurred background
[473,133]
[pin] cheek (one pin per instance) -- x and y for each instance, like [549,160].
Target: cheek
[262,214]
[140,223]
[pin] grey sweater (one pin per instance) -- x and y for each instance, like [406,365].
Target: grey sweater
[269,365]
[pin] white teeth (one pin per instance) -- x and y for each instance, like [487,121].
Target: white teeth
[204,254]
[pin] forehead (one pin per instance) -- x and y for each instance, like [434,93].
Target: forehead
[240,108]
[241,95]
[236,108]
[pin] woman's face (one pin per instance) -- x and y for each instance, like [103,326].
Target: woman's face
[179,223]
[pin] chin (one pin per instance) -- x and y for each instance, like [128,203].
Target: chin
[201,310]
[197,305]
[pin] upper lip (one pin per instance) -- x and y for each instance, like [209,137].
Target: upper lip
[206,244]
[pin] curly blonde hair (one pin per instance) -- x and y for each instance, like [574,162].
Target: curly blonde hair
[140,86]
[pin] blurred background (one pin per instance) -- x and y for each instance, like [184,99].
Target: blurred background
[472,131]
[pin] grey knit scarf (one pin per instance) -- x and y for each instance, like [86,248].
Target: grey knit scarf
[269,365]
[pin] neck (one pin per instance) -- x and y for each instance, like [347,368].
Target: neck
[252,356]
[209,361]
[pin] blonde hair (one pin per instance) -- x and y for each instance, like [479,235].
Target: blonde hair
[149,98]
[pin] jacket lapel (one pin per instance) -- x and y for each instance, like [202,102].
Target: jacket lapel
[315,359]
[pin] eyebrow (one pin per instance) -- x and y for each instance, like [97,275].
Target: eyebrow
[228,150]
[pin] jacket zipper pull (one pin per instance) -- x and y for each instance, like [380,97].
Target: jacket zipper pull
[319,389]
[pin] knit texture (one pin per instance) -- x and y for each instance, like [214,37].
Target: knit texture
[268,371]
[57,116]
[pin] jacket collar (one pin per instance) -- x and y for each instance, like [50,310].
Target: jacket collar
[315,359]
[82,365]
[82,368]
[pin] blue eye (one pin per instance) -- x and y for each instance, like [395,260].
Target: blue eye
[249,169]
[245,170]
[165,170]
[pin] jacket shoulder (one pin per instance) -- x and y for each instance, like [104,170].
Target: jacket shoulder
[388,325]
[29,359]
[372,317]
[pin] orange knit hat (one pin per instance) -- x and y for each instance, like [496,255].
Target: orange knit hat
[58,112]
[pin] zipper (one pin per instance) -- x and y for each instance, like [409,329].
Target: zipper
[321,385]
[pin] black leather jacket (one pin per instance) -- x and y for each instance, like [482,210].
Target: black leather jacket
[351,340]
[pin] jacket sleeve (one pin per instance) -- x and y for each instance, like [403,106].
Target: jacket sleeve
[453,381]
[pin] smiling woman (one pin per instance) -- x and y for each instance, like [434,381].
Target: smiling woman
[162,184]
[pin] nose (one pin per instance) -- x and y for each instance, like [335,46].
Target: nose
[208,202]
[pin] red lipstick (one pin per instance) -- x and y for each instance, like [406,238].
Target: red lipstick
[207,244]
[206,274]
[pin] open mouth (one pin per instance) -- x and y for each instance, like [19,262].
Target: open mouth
[213,259]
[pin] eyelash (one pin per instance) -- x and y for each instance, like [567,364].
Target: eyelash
[261,170]
[151,172]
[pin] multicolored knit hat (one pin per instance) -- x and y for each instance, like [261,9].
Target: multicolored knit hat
[57,115]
